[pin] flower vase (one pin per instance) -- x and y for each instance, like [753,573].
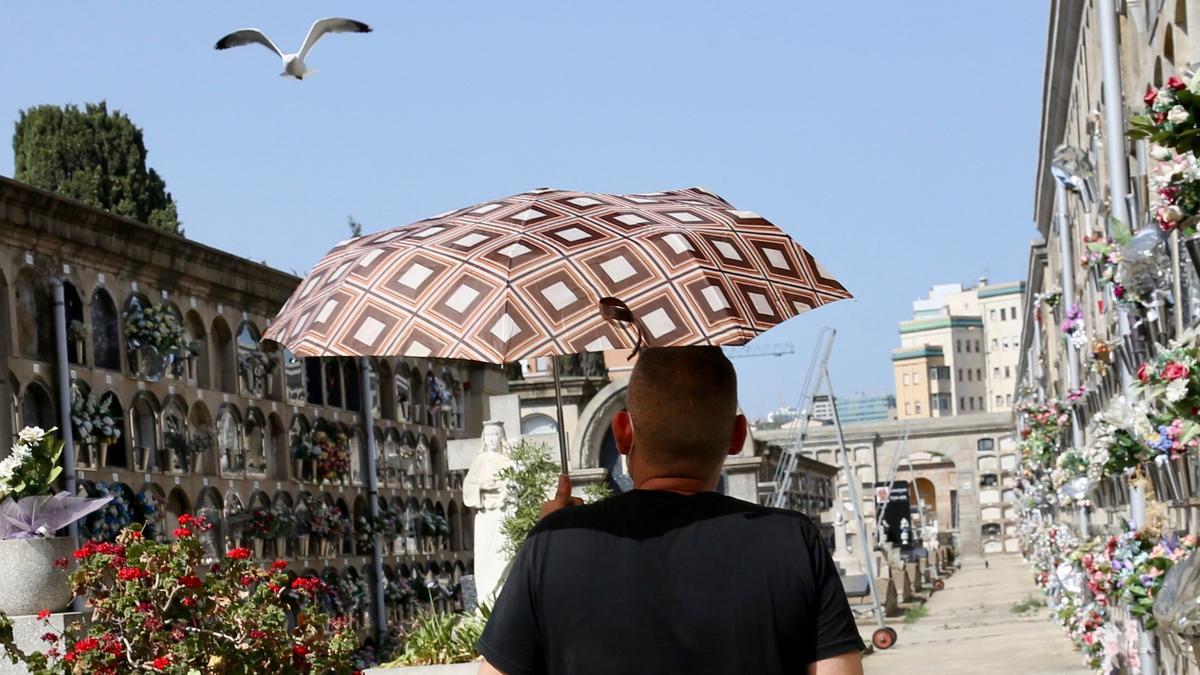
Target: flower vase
[1173,484]
[258,545]
[281,547]
[101,458]
[297,469]
[323,548]
[77,345]
[1192,246]
[141,459]
[302,543]
[1183,476]
[197,463]
[85,458]
[32,581]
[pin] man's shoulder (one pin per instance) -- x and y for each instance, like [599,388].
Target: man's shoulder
[638,505]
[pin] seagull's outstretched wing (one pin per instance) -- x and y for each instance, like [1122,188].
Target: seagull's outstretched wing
[332,25]
[247,36]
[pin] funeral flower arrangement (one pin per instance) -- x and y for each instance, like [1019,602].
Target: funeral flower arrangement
[156,327]
[161,608]
[267,522]
[92,419]
[1128,569]
[29,508]
[303,449]
[326,521]
[333,462]
[1101,255]
[1169,119]
[107,523]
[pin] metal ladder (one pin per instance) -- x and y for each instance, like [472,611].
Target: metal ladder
[785,470]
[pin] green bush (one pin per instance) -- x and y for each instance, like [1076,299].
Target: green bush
[440,638]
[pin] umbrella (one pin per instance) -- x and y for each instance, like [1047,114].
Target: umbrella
[552,272]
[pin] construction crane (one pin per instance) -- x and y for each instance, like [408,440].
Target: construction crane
[752,350]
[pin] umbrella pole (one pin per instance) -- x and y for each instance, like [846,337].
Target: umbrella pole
[562,432]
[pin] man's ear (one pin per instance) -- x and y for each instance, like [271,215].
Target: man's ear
[622,428]
[738,439]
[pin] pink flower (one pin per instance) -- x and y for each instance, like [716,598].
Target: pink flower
[1174,371]
[1175,83]
[1151,94]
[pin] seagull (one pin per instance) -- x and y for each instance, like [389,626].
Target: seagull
[293,64]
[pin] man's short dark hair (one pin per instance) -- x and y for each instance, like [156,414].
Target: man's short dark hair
[683,401]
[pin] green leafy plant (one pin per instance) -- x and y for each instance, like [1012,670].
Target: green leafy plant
[594,492]
[916,613]
[161,608]
[437,638]
[1027,605]
[528,483]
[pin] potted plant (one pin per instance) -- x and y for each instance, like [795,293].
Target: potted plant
[30,515]
[192,615]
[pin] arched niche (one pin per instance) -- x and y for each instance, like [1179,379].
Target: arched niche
[352,388]
[224,356]
[390,457]
[376,406]
[37,406]
[230,452]
[6,322]
[283,504]
[314,380]
[144,412]
[256,441]
[454,519]
[333,381]
[177,504]
[300,446]
[403,396]
[77,329]
[537,423]
[385,385]
[117,453]
[436,459]
[211,507]
[174,455]
[198,366]
[293,378]
[278,451]
[150,511]
[202,440]
[416,387]
[178,370]
[254,366]
[35,330]
[235,516]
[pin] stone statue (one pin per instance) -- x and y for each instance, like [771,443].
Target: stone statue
[485,492]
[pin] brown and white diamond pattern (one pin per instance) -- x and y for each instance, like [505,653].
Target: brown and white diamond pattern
[517,277]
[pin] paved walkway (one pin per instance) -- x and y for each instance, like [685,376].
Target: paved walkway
[971,628]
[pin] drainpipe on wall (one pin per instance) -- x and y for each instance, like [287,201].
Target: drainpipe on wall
[63,372]
[1114,132]
[378,612]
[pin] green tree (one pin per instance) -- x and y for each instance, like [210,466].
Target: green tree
[95,156]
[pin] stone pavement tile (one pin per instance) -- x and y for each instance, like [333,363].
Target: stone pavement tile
[970,628]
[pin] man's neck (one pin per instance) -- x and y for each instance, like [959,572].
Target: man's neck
[684,485]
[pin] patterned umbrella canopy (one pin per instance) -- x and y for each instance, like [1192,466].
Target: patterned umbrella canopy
[522,277]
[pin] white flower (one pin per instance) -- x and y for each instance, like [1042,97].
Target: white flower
[21,452]
[1173,214]
[1177,390]
[8,466]
[1177,115]
[32,435]
[1160,153]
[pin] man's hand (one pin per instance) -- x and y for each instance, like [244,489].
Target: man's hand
[562,497]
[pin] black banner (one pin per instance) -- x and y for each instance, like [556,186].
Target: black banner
[893,513]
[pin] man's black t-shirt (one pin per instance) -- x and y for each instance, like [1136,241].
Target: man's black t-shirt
[659,582]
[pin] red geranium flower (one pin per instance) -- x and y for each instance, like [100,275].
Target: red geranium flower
[50,637]
[162,662]
[1151,94]
[62,563]
[190,581]
[130,573]
[1176,83]
[238,553]
[279,565]
[43,615]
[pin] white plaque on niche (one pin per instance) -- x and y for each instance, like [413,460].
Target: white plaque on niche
[193,302]
[66,268]
[28,258]
[37,368]
[133,285]
[100,278]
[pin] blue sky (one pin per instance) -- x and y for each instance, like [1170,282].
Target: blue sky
[896,141]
